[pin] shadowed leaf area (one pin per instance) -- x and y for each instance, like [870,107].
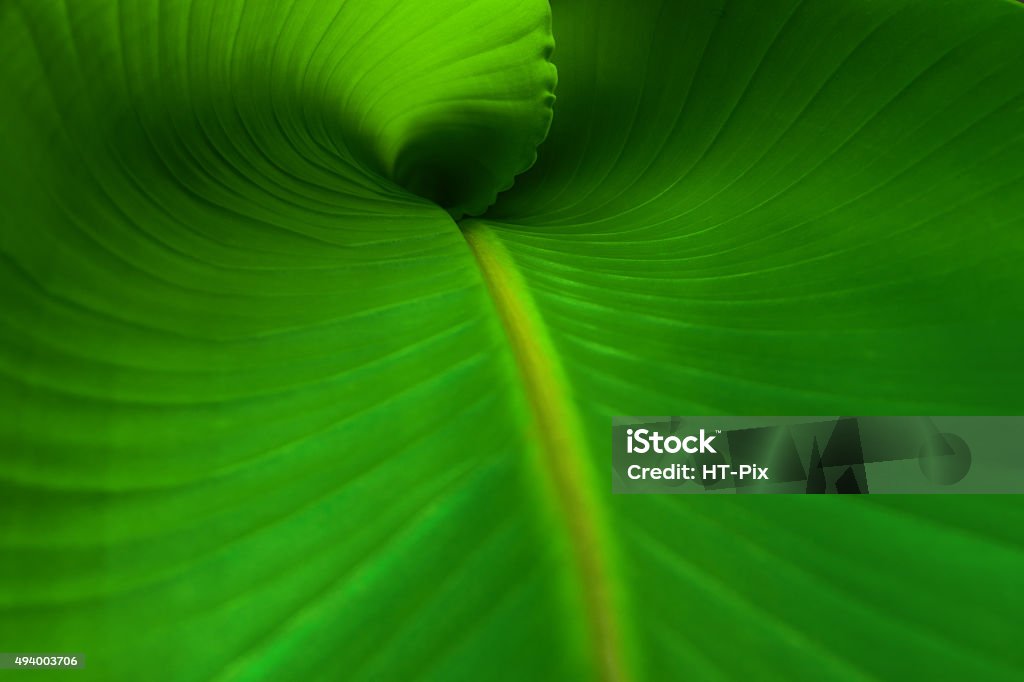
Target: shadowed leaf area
[296,384]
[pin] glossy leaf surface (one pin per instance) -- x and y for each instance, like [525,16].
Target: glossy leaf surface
[273,409]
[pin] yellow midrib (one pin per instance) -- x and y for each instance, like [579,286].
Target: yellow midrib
[562,451]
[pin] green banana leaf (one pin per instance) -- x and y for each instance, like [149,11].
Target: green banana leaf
[297,384]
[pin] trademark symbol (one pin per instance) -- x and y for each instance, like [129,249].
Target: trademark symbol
[718,430]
